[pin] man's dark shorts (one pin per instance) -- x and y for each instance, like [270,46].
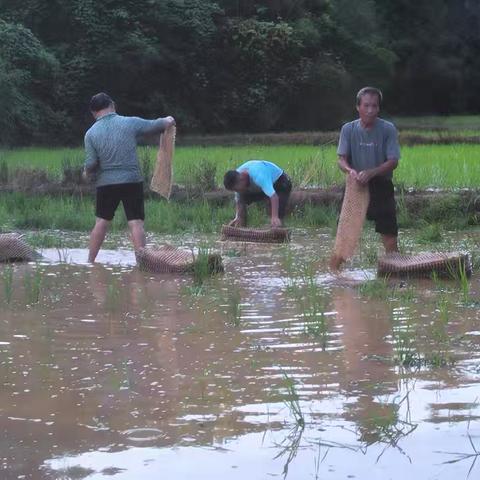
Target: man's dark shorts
[382,208]
[283,187]
[110,196]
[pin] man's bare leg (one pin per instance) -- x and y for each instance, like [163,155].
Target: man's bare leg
[138,233]
[97,237]
[390,243]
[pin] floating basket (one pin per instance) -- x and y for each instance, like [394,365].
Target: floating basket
[169,259]
[14,249]
[257,235]
[350,223]
[163,175]
[424,265]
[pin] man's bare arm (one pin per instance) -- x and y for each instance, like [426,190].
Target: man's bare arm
[240,219]
[275,220]
[345,166]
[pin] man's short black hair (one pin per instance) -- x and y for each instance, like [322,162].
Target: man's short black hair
[230,179]
[369,91]
[100,101]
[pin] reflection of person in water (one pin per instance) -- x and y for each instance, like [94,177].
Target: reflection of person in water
[368,372]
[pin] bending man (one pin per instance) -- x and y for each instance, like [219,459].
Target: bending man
[111,153]
[369,151]
[256,181]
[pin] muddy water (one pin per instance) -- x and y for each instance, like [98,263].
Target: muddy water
[108,372]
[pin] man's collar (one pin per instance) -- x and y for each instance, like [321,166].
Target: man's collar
[106,115]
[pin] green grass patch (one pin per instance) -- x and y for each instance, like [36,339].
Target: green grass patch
[422,166]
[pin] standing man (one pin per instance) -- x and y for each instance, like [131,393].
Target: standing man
[256,181]
[369,151]
[111,153]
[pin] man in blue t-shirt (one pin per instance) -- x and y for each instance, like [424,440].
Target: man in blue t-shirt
[255,181]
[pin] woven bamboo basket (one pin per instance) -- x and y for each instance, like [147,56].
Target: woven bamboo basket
[169,259]
[424,265]
[350,223]
[256,235]
[14,249]
[162,178]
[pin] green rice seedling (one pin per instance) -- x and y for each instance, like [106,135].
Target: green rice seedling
[33,282]
[201,178]
[461,277]
[63,254]
[289,447]
[369,253]
[405,293]
[72,169]
[112,299]
[235,308]
[201,269]
[314,216]
[430,233]
[312,306]
[288,260]
[464,282]
[7,277]
[147,165]
[377,288]
[42,239]
[472,456]
[440,355]
[405,352]
[389,425]
[292,400]
[403,215]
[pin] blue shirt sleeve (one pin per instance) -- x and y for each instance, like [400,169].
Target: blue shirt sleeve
[91,157]
[344,147]
[146,127]
[393,147]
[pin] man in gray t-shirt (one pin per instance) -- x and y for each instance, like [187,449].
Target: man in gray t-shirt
[111,153]
[368,150]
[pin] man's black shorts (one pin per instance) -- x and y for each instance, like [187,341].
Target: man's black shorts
[283,187]
[130,194]
[382,207]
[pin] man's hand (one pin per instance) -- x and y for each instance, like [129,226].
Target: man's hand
[365,176]
[171,121]
[276,222]
[85,175]
[352,173]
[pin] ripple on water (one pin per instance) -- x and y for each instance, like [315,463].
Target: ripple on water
[139,435]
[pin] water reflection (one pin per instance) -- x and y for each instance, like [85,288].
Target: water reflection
[117,371]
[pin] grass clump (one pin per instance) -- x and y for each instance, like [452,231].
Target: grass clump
[377,288]
[235,308]
[292,400]
[112,300]
[430,233]
[33,283]
[312,305]
[405,352]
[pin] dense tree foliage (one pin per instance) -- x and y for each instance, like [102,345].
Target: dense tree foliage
[231,65]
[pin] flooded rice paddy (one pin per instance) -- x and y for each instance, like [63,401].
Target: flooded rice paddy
[274,369]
